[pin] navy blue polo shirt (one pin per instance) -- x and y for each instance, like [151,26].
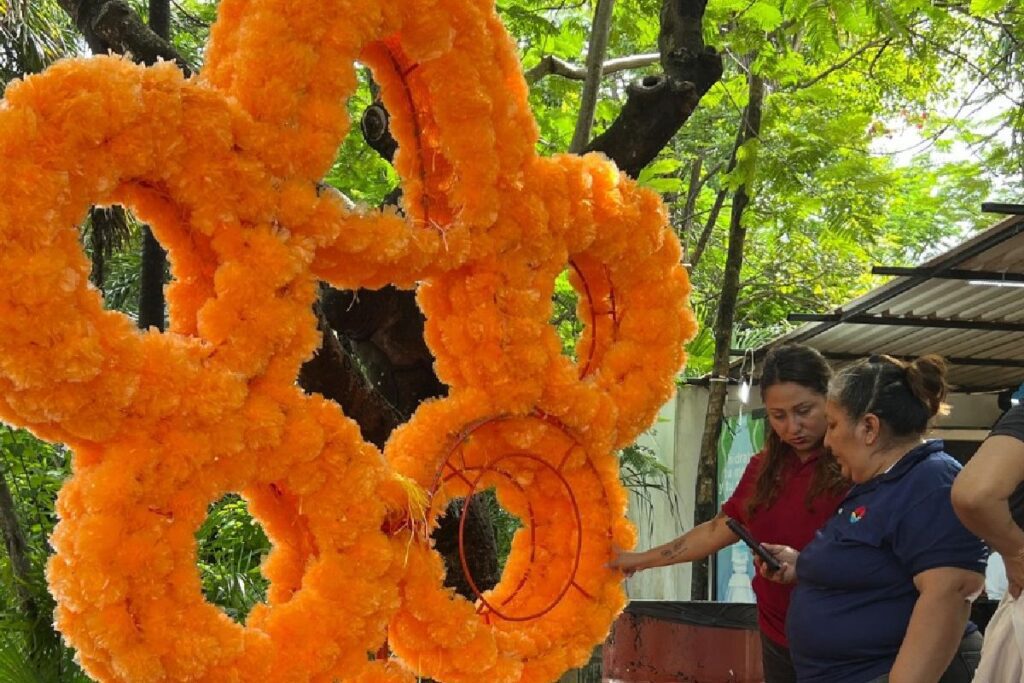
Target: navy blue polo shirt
[855,580]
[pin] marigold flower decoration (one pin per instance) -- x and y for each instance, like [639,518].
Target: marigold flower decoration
[224,167]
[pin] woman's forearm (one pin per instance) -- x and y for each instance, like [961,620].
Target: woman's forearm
[696,544]
[933,637]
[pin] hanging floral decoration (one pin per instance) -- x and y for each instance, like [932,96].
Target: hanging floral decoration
[224,168]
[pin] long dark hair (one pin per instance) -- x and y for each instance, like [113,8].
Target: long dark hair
[801,365]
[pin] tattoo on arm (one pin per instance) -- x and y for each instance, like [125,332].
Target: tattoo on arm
[674,550]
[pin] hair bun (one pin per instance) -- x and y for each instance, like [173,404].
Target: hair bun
[926,377]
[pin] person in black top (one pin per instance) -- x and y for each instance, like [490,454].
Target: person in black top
[988,495]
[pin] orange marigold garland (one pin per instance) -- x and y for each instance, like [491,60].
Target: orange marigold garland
[163,425]
[224,168]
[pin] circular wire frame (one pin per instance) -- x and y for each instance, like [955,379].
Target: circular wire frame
[570,582]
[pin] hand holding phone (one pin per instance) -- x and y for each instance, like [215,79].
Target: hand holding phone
[756,547]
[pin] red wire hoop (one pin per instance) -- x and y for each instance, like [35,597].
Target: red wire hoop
[579,539]
[585,369]
[441,479]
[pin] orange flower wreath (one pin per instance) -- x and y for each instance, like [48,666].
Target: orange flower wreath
[224,168]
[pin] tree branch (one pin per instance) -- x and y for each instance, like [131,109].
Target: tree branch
[881,42]
[333,374]
[658,106]
[709,226]
[985,75]
[692,192]
[113,26]
[690,212]
[551,65]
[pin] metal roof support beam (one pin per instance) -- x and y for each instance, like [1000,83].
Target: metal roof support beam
[1014,227]
[952,360]
[937,274]
[900,321]
[1008,209]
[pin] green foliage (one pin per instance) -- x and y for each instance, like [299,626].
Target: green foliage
[33,35]
[30,650]
[358,171]
[18,665]
[700,351]
[505,526]
[639,463]
[648,479]
[985,8]
[564,318]
[764,15]
[121,285]
[190,26]
[662,176]
[230,549]
[15,664]
[830,198]
[232,546]
[34,471]
[122,268]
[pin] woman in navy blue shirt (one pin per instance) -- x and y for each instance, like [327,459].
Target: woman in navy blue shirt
[883,591]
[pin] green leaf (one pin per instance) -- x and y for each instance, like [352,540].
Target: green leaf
[662,167]
[985,8]
[765,15]
[665,185]
[660,176]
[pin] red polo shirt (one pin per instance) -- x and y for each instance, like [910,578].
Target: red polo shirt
[787,521]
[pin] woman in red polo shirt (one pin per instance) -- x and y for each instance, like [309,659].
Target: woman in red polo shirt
[786,493]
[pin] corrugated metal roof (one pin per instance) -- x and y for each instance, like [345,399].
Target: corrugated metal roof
[905,316]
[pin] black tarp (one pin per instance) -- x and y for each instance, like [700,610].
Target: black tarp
[715,614]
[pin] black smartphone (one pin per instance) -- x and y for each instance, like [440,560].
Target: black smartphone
[761,551]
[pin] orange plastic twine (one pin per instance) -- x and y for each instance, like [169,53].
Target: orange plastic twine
[224,167]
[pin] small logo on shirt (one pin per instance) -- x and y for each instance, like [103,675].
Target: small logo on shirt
[858,514]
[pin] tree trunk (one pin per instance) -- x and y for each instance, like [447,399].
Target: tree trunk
[480,548]
[705,506]
[658,106]
[154,258]
[17,551]
[595,62]
[113,26]
[98,245]
[160,18]
[151,284]
[384,328]
[332,373]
